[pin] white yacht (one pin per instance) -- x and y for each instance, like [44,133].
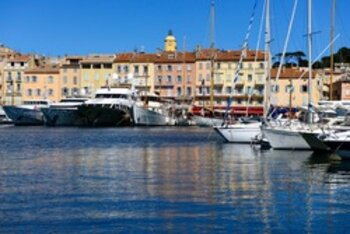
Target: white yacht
[29,113]
[109,107]
[64,113]
[151,110]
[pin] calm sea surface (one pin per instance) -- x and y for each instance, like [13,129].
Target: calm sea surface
[177,180]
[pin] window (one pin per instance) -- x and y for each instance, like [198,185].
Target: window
[289,88]
[22,64]
[250,66]
[200,77]
[119,68]
[189,67]
[86,77]
[179,79]
[136,69]
[12,64]
[50,92]
[303,89]
[275,88]
[65,70]
[65,80]
[159,80]
[49,79]
[208,65]
[64,91]
[27,79]
[34,79]
[38,92]
[229,65]
[86,66]
[107,65]
[159,67]
[145,69]
[75,70]
[97,76]
[261,65]
[179,68]
[250,78]
[249,90]
[126,68]
[18,87]
[75,80]
[75,92]
[170,68]
[228,89]
[200,66]
[169,79]
[188,91]
[29,92]
[97,66]
[178,91]
[218,65]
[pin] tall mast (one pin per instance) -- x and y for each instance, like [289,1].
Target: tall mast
[212,47]
[267,59]
[212,24]
[309,36]
[331,68]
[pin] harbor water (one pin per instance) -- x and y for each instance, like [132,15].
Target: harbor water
[177,180]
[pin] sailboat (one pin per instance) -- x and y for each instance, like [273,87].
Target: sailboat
[288,137]
[246,132]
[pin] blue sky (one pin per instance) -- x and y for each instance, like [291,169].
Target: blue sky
[59,27]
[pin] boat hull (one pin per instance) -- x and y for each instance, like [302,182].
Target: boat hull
[285,139]
[62,117]
[314,142]
[23,116]
[104,116]
[341,148]
[206,121]
[239,133]
[145,117]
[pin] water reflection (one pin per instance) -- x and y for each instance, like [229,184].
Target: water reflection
[166,180]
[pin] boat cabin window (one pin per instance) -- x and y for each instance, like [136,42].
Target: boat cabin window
[35,103]
[151,99]
[72,100]
[111,96]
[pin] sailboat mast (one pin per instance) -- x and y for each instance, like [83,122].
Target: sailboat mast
[309,36]
[331,68]
[267,58]
[212,47]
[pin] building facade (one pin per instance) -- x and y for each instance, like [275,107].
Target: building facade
[70,76]
[96,71]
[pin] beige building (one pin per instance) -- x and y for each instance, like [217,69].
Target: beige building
[296,81]
[96,71]
[136,69]
[70,76]
[12,78]
[42,82]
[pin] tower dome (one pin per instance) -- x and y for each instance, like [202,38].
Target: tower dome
[170,42]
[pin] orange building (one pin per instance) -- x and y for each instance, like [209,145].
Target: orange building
[42,83]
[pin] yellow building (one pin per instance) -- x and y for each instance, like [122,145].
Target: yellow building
[70,76]
[96,71]
[42,82]
[247,90]
[296,80]
[170,44]
[136,69]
